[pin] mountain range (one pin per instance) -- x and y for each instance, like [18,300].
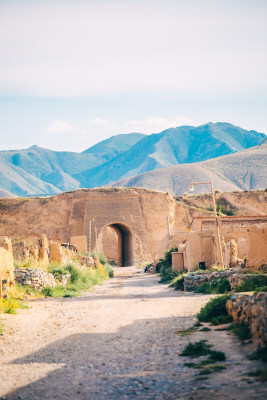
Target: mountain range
[39,171]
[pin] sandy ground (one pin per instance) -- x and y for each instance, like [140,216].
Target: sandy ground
[117,342]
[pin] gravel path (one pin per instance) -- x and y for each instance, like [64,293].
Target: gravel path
[117,342]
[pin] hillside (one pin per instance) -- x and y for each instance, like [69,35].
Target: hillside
[245,170]
[115,145]
[39,171]
[182,145]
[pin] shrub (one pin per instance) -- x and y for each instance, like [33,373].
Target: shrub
[215,311]
[197,349]
[255,283]
[178,282]
[109,271]
[10,305]
[48,291]
[217,286]
[165,269]
[75,274]
[102,258]
[242,331]
[259,354]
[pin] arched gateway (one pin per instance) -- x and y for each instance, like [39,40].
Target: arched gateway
[140,220]
[117,243]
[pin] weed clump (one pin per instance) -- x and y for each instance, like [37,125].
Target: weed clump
[215,311]
[259,354]
[217,286]
[242,331]
[164,267]
[10,305]
[197,349]
[81,279]
[255,283]
[178,281]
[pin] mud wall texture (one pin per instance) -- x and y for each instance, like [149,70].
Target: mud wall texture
[139,213]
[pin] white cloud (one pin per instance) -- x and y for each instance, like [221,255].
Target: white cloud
[155,124]
[59,127]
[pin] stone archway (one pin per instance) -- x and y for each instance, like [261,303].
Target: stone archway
[123,240]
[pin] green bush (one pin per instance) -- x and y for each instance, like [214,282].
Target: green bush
[102,258]
[197,349]
[165,269]
[75,274]
[48,291]
[255,283]
[215,311]
[109,271]
[242,331]
[217,286]
[178,282]
[259,354]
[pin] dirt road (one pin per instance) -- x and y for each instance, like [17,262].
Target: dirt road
[117,342]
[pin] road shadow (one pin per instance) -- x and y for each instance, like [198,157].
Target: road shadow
[140,361]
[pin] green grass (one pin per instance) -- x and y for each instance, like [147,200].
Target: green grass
[197,349]
[259,354]
[185,332]
[164,267]
[178,281]
[82,278]
[208,365]
[212,368]
[255,283]
[102,258]
[215,311]
[242,331]
[10,305]
[205,329]
[217,286]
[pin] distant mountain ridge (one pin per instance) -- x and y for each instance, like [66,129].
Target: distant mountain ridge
[244,170]
[39,171]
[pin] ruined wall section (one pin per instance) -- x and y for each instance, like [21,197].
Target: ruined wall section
[24,217]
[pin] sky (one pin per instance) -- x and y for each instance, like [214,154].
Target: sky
[74,72]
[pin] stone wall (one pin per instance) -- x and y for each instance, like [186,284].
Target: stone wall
[251,310]
[6,260]
[38,279]
[193,281]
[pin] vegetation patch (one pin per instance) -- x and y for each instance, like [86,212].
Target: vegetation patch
[205,329]
[164,267]
[178,281]
[208,365]
[242,331]
[10,305]
[216,286]
[81,279]
[255,283]
[185,332]
[197,349]
[259,354]
[215,311]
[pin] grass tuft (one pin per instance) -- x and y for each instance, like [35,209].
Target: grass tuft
[197,349]
[242,331]
[215,311]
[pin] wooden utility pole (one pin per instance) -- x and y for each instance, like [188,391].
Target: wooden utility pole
[217,229]
[90,237]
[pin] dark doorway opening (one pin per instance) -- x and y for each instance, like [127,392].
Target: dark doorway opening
[122,249]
